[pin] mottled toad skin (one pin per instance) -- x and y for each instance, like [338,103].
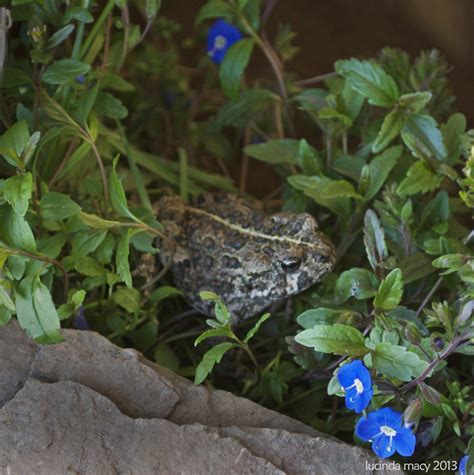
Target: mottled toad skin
[230,246]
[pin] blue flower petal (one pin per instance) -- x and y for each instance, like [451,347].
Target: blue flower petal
[463,465]
[367,429]
[405,442]
[363,400]
[224,32]
[383,446]
[351,371]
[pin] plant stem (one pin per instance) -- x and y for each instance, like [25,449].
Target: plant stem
[97,26]
[141,190]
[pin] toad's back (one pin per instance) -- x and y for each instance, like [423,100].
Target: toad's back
[228,245]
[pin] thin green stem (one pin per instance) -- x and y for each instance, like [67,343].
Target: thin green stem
[97,26]
[141,190]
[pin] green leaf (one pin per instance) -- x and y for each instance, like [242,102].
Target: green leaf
[17,192]
[221,312]
[212,333]
[5,315]
[129,299]
[164,292]
[276,151]
[13,142]
[110,106]
[419,178]
[392,125]
[374,239]
[233,66]
[318,316]
[36,312]
[453,133]
[214,9]
[396,362]
[314,186]
[358,283]
[85,242]
[251,333]
[207,295]
[379,169]
[88,266]
[242,110]
[64,70]
[57,206]
[15,231]
[121,259]
[422,136]
[211,358]
[59,36]
[79,14]
[390,291]
[4,255]
[338,189]
[370,80]
[5,299]
[116,83]
[117,193]
[414,102]
[337,339]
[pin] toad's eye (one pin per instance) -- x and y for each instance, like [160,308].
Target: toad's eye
[290,264]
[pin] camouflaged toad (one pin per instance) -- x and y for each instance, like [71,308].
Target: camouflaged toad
[230,246]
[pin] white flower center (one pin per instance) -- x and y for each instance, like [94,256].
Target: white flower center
[388,431]
[359,386]
[220,42]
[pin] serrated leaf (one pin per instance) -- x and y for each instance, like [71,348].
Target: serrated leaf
[379,169]
[233,66]
[392,125]
[422,136]
[390,291]
[453,133]
[252,332]
[396,362]
[121,259]
[337,339]
[210,359]
[17,192]
[57,206]
[420,179]
[64,70]
[414,102]
[370,80]
[36,312]
[15,231]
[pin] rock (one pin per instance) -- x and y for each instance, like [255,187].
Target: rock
[86,406]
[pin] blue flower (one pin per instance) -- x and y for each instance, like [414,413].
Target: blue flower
[463,465]
[385,429]
[80,322]
[357,384]
[80,79]
[221,37]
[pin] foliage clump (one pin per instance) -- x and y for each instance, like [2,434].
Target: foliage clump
[387,168]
